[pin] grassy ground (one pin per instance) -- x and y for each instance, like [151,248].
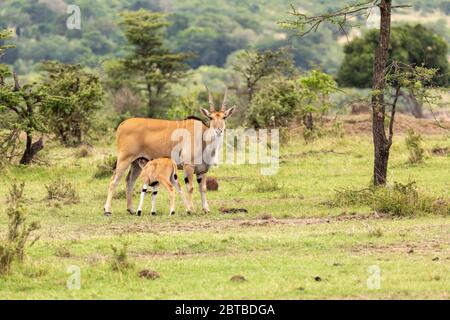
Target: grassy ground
[289,244]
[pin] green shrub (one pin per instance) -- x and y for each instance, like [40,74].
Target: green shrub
[83,152]
[119,260]
[414,145]
[19,231]
[62,190]
[400,200]
[267,184]
[106,167]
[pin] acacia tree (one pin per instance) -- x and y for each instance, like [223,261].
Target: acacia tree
[254,65]
[71,97]
[23,102]
[381,141]
[150,59]
[317,86]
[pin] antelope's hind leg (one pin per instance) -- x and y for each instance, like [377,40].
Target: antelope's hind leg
[133,174]
[121,167]
[170,189]
[177,186]
[154,194]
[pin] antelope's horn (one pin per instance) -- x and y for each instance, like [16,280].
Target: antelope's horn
[225,97]
[210,100]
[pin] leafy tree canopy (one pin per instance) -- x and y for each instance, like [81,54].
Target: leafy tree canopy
[415,45]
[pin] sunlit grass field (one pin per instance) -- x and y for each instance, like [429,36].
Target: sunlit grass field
[290,244]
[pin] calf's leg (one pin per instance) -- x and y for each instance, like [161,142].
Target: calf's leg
[141,200]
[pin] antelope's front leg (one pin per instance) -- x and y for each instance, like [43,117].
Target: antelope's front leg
[141,200]
[188,177]
[201,180]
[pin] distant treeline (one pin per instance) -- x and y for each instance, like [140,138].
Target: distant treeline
[212,30]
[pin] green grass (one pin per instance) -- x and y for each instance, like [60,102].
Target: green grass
[197,255]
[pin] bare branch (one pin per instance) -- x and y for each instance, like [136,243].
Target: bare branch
[391,121]
[340,17]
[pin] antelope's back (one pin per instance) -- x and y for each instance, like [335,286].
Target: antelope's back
[149,138]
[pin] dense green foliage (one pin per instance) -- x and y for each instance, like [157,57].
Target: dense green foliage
[281,100]
[71,97]
[415,45]
[256,65]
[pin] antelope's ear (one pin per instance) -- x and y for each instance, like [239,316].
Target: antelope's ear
[229,112]
[205,112]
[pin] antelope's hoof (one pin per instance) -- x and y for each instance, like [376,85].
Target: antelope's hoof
[189,212]
[108,214]
[153,213]
[172,213]
[139,212]
[130,212]
[205,211]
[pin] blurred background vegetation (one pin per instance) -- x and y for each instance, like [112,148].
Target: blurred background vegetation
[129,68]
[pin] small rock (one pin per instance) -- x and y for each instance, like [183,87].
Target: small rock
[436,259]
[238,278]
[149,274]
[317,278]
[212,184]
[265,216]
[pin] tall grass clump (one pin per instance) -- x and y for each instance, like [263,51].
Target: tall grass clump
[414,145]
[62,190]
[119,260]
[83,151]
[398,200]
[106,167]
[19,231]
[267,184]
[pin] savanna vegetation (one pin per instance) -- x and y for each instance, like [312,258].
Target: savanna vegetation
[363,183]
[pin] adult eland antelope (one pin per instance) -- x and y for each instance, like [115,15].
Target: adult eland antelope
[190,142]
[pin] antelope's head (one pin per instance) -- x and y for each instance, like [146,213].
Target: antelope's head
[217,118]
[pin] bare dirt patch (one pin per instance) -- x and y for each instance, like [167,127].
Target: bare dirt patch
[435,247]
[362,123]
[89,231]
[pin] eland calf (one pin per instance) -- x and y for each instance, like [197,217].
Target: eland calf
[160,171]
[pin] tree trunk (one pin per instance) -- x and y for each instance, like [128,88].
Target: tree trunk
[31,149]
[380,142]
[414,105]
[250,89]
[308,121]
